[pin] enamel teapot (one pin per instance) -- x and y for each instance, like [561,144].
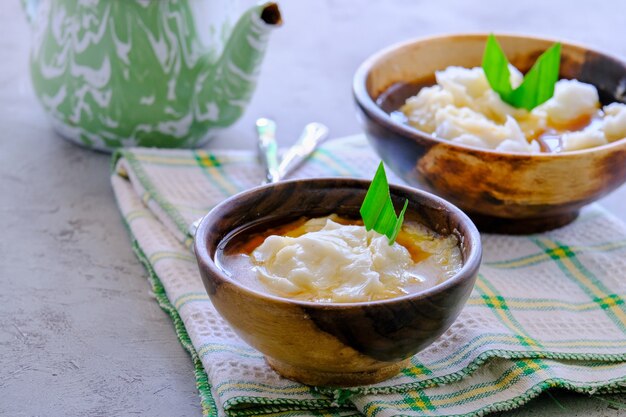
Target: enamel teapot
[165,73]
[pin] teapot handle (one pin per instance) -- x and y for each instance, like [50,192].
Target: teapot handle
[30,8]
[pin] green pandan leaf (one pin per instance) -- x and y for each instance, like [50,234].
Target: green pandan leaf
[496,67]
[538,84]
[377,209]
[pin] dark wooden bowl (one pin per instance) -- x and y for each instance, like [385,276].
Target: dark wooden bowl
[501,192]
[339,344]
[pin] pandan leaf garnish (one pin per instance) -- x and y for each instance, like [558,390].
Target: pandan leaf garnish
[377,209]
[538,84]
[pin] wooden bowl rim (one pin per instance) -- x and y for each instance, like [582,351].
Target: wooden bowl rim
[468,270]
[372,110]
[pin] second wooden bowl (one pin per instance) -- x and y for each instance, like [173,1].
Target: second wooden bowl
[501,192]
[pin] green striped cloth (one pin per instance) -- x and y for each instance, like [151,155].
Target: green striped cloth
[547,311]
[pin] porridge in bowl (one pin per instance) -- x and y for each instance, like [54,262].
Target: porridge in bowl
[335,259]
[464,107]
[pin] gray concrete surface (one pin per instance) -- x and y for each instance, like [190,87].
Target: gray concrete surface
[80,333]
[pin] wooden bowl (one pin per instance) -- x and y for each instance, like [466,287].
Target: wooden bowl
[501,192]
[337,344]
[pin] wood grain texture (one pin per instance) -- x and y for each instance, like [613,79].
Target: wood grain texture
[502,192]
[334,343]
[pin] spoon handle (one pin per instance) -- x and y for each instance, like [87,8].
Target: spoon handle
[268,148]
[312,135]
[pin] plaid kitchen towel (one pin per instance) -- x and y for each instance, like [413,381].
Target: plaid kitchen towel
[547,310]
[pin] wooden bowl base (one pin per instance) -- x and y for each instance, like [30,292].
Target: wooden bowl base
[337,379]
[501,225]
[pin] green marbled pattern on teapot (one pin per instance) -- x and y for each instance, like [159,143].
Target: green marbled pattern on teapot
[166,73]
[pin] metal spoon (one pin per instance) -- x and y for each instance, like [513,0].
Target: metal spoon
[312,136]
[268,148]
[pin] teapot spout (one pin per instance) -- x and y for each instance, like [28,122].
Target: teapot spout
[234,77]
